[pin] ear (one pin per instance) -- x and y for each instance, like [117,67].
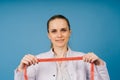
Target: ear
[48,35]
[70,32]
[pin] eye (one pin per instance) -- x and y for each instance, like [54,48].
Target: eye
[63,30]
[53,31]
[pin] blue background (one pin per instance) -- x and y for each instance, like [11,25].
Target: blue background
[95,28]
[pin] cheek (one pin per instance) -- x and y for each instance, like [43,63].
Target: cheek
[51,37]
[68,35]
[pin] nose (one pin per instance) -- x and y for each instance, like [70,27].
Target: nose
[59,34]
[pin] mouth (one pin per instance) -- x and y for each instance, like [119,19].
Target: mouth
[60,40]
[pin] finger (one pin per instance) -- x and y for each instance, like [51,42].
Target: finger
[94,59]
[33,58]
[86,58]
[90,59]
[27,60]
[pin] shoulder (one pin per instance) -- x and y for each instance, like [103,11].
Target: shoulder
[47,54]
[76,53]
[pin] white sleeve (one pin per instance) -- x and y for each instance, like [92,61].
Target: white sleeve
[18,75]
[100,72]
[31,72]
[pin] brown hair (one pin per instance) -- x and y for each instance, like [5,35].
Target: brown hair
[59,17]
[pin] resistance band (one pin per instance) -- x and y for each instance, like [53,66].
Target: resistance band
[61,59]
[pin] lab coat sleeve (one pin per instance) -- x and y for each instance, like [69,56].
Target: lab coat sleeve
[18,75]
[30,73]
[100,72]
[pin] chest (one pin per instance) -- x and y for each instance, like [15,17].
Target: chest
[48,71]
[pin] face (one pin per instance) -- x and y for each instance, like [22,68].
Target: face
[59,32]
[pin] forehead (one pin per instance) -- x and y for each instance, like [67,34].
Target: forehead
[58,23]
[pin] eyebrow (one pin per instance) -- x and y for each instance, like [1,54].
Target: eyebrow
[61,28]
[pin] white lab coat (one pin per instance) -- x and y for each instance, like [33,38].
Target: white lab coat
[78,70]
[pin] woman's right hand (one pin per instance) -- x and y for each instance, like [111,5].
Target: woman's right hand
[27,60]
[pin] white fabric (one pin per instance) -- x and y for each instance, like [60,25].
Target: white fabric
[74,70]
[62,72]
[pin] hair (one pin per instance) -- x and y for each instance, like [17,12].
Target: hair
[57,17]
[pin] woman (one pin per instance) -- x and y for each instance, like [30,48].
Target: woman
[59,32]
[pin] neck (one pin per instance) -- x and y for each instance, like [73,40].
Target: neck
[60,51]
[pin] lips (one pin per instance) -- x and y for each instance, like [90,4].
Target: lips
[60,40]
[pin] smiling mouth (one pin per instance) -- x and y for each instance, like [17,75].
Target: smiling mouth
[60,40]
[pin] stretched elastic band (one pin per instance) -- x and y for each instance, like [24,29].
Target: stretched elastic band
[61,59]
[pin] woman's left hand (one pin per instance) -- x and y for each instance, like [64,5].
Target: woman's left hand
[92,58]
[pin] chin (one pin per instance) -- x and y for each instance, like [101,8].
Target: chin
[60,45]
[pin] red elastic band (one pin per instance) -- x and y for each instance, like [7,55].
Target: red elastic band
[61,59]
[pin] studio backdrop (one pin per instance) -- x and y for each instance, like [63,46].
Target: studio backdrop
[23,29]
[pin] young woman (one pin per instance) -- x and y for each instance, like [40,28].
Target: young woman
[59,32]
